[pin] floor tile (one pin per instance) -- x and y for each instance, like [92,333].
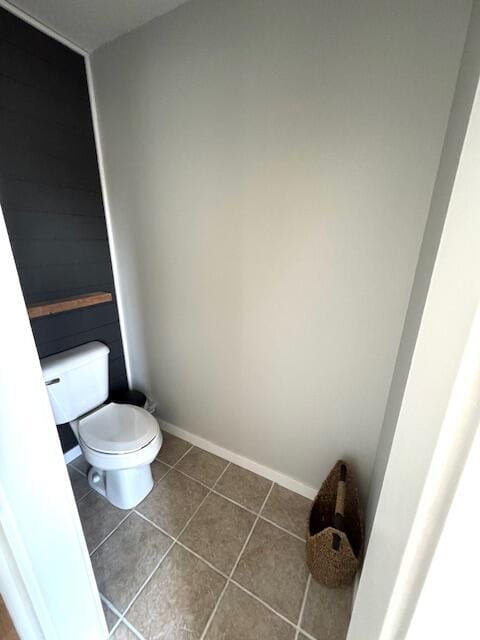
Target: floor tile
[288,509]
[110,617]
[273,568]
[172,501]
[178,600]
[327,611]
[122,632]
[98,518]
[218,532]
[80,464]
[241,617]
[126,559]
[173,448]
[245,487]
[202,466]
[79,483]
[159,470]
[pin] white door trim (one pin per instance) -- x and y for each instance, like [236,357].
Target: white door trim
[439,411]
[49,560]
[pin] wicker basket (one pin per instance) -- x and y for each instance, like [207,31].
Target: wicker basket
[335,529]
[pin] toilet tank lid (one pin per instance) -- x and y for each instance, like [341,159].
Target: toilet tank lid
[53,366]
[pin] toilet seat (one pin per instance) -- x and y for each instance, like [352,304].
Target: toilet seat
[118,429]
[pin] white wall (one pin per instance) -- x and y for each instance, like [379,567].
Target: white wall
[457,126]
[448,604]
[403,532]
[269,168]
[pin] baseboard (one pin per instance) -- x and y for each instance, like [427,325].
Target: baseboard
[260,469]
[68,456]
[246,463]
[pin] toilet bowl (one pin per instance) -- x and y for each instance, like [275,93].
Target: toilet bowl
[119,441]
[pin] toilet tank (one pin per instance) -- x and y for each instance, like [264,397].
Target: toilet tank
[77,380]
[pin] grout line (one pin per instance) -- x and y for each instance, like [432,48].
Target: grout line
[87,494]
[172,466]
[114,628]
[111,532]
[251,531]
[155,482]
[232,580]
[229,578]
[175,463]
[294,535]
[184,546]
[114,610]
[83,496]
[215,609]
[76,468]
[160,479]
[174,540]
[148,579]
[302,608]
[154,524]
[110,605]
[247,540]
[183,456]
[265,604]
[307,635]
[117,622]
[224,575]
[254,513]
[221,495]
[130,626]
[207,562]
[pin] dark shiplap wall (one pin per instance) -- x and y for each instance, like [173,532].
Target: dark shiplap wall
[50,191]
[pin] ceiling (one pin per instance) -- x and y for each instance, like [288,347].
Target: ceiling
[91,23]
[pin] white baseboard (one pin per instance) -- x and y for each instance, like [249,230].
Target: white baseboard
[72,454]
[280,478]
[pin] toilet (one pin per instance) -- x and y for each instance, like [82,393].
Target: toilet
[119,441]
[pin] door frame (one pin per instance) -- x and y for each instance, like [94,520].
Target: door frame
[47,576]
[440,406]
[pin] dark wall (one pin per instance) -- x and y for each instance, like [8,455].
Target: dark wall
[50,192]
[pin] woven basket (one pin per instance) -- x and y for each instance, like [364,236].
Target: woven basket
[335,529]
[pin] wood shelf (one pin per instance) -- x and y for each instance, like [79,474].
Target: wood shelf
[41,309]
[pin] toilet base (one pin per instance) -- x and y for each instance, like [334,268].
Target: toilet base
[124,488]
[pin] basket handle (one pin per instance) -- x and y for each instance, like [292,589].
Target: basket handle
[339,518]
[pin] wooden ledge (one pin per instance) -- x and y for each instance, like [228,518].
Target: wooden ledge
[40,309]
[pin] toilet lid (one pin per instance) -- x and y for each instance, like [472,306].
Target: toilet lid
[118,428]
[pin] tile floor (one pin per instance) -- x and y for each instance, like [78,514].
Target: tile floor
[214,552]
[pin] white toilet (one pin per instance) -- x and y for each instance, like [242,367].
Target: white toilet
[120,441]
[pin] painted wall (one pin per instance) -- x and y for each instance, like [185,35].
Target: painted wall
[457,126]
[392,574]
[270,167]
[50,192]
